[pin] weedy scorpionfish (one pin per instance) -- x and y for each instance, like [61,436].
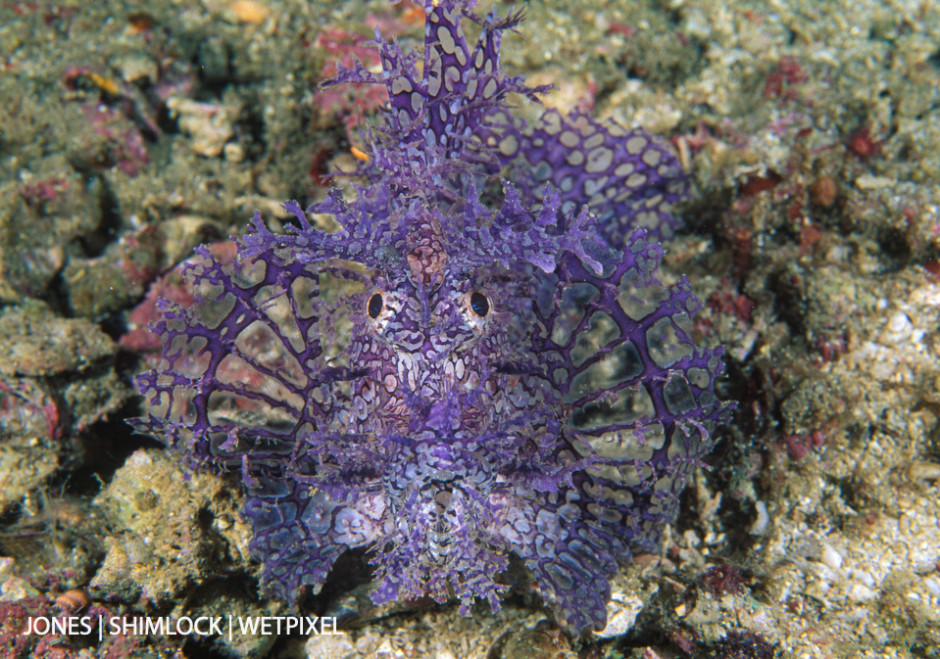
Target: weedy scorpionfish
[480,363]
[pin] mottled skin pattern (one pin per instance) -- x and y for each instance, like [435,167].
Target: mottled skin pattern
[454,376]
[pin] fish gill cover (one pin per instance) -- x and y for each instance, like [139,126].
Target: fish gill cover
[471,367]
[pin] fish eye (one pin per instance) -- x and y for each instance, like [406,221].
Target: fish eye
[480,304]
[375,305]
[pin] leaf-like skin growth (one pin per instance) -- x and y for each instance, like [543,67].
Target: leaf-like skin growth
[460,372]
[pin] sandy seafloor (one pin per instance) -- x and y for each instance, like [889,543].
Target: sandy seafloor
[131,132]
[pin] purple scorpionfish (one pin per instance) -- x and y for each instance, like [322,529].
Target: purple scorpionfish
[472,367]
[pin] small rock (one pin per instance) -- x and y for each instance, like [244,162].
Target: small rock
[861,593]
[899,322]
[544,641]
[155,512]
[210,125]
[138,67]
[109,282]
[233,152]
[622,611]
[830,557]
[762,521]
[36,342]
[824,191]
[250,12]
[330,647]
[866,182]
[92,399]
[182,233]
[16,588]
[29,425]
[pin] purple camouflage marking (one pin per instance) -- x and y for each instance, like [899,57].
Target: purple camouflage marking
[462,372]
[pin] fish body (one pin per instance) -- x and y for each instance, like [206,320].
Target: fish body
[479,363]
